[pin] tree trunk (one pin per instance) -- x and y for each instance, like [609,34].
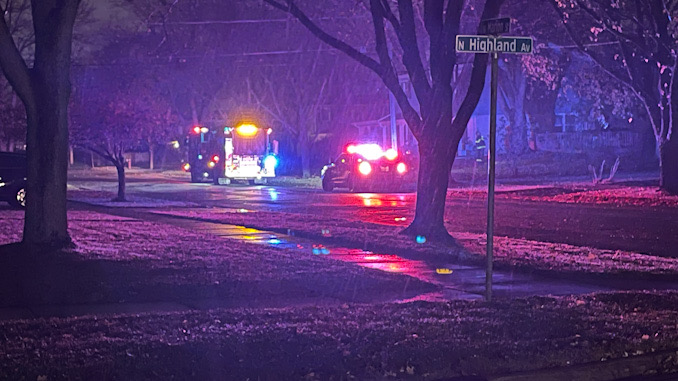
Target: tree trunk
[151,157]
[45,90]
[304,149]
[668,163]
[47,151]
[518,128]
[435,164]
[121,181]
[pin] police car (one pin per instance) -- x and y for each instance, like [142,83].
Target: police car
[366,167]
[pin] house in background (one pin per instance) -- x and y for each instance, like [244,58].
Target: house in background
[571,131]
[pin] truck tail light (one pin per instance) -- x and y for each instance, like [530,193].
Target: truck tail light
[401,168]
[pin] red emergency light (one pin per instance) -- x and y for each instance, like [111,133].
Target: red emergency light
[369,151]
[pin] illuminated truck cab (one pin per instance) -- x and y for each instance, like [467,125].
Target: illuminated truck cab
[248,154]
[244,152]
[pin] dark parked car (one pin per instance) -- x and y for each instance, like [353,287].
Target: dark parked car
[366,167]
[13,178]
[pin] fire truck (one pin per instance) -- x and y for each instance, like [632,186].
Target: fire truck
[222,155]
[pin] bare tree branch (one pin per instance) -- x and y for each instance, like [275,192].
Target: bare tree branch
[292,9]
[13,65]
[411,55]
[386,73]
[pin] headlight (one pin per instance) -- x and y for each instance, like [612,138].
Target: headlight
[365,168]
[270,162]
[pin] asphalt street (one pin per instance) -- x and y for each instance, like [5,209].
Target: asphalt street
[639,229]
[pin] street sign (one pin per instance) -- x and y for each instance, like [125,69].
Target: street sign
[489,44]
[495,27]
[494,46]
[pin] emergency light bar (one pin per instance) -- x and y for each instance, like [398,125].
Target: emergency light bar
[372,151]
[247,130]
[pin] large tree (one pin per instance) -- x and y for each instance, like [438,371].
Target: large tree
[44,90]
[635,42]
[123,112]
[436,129]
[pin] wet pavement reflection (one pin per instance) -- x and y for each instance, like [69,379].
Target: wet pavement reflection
[456,281]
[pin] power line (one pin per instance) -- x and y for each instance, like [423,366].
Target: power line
[251,21]
[178,59]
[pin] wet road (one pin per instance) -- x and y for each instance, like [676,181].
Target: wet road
[639,229]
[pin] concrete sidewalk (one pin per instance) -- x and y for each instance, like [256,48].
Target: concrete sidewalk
[454,280]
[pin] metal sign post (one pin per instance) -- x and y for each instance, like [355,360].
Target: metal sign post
[491,174]
[493,45]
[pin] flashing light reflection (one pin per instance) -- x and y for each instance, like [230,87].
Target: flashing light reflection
[443,271]
[388,266]
[372,202]
[273,194]
[320,249]
[421,239]
[274,241]
[400,218]
[249,230]
[368,199]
